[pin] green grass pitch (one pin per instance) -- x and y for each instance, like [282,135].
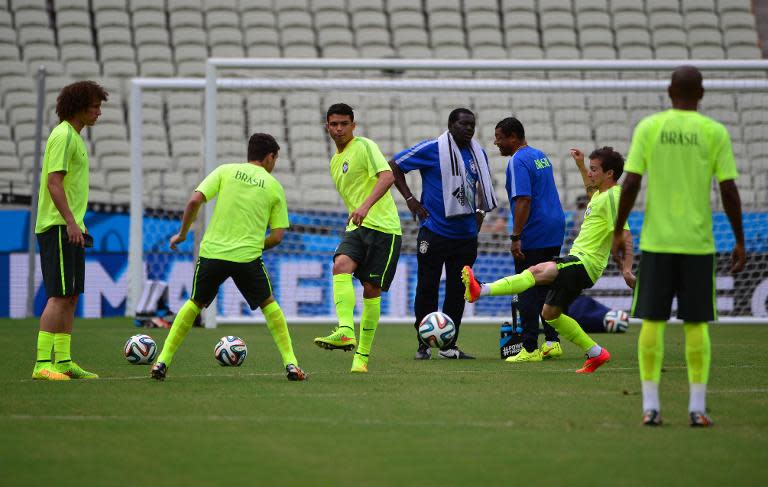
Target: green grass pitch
[441,422]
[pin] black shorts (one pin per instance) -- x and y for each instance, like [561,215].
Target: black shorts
[572,278]
[661,277]
[375,252]
[251,279]
[62,264]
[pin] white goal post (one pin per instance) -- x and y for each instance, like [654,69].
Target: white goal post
[252,76]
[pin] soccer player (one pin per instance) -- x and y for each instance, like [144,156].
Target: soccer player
[249,199]
[370,247]
[60,229]
[457,190]
[680,150]
[568,276]
[537,232]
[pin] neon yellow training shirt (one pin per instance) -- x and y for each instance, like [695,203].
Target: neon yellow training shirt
[593,244]
[248,200]
[65,151]
[354,171]
[680,150]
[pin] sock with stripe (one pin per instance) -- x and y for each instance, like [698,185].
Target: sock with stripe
[650,355]
[279,330]
[509,285]
[344,299]
[369,321]
[61,347]
[568,328]
[44,346]
[698,356]
[181,325]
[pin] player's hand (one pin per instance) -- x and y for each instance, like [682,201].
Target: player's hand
[617,249]
[577,155]
[630,279]
[177,239]
[517,250]
[357,216]
[417,210]
[75,235]
[738,258]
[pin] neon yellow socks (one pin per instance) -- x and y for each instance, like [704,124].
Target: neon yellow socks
[61,347]
[279,330]
[570,329]
[181,325]
[512,284]
[369,321]
[698,356]
[44,346]
[344,299]
[650,350]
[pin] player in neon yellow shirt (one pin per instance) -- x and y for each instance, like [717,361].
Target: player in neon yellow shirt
[680,151]
[370,248]
[248,200]
[60,228]
[568,276]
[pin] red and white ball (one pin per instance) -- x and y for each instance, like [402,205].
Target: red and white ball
[437,329]
[230,351]
[140,350]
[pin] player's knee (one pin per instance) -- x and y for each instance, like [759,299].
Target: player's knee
[343,265]
[371,291]
[550,313]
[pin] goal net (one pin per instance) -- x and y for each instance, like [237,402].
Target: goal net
[398,104]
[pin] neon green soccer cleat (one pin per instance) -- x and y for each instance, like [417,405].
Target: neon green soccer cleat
[338,339]
[45,371]
[359,364]
[525,356]
[74,371]
[551,351]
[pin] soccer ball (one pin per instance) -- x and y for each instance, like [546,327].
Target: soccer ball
[437,329]
[140,350]
[616,321]
[230,351]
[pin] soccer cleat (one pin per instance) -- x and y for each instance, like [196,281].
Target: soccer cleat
[74,371]
[423,352]
[455,353]
[471,285]
[700,419]
[337,340]
[551,351]
[525,356]
[158,371]
[45,371]
[359,364]
[593,363]
[294,372]
[651,417]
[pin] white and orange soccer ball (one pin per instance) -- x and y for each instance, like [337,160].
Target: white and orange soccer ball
[140,350]
[616,321]
[230,351]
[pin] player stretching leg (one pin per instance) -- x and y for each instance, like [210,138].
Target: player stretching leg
[249,200]
[568,276]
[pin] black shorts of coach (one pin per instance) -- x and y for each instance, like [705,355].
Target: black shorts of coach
[376,254]
[572,278]
[662,276]
[251,279]
[62,263]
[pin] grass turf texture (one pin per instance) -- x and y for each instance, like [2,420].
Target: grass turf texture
[407,422]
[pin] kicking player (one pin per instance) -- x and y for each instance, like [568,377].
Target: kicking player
[568,276]
[680,150]
[249,199]
[370,247]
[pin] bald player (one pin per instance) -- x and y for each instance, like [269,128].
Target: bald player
[680,151]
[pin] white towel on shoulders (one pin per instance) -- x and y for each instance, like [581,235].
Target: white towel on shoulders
[454,178]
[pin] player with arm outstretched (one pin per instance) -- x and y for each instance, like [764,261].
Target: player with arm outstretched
[568,276]
[370,247]
[248,200]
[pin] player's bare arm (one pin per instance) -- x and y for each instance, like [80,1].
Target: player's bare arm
[384,182]
[578,158]
[190,214]
[522,212]
[629,191]
[414,205]
[274,238]
[59,197]
[729,193]
[626,267]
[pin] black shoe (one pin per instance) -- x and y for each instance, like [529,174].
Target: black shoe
[455,353]
[423,352]
[700,419]
[158,371]
[652,417]
[294,372]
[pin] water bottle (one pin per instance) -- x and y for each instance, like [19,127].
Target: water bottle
[511,334]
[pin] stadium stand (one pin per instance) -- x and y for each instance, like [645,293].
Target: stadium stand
[114,40]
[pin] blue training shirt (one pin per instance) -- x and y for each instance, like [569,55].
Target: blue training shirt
[425,157]
[529,173]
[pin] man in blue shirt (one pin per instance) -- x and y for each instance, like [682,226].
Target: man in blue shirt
[538,229]
[444,240]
